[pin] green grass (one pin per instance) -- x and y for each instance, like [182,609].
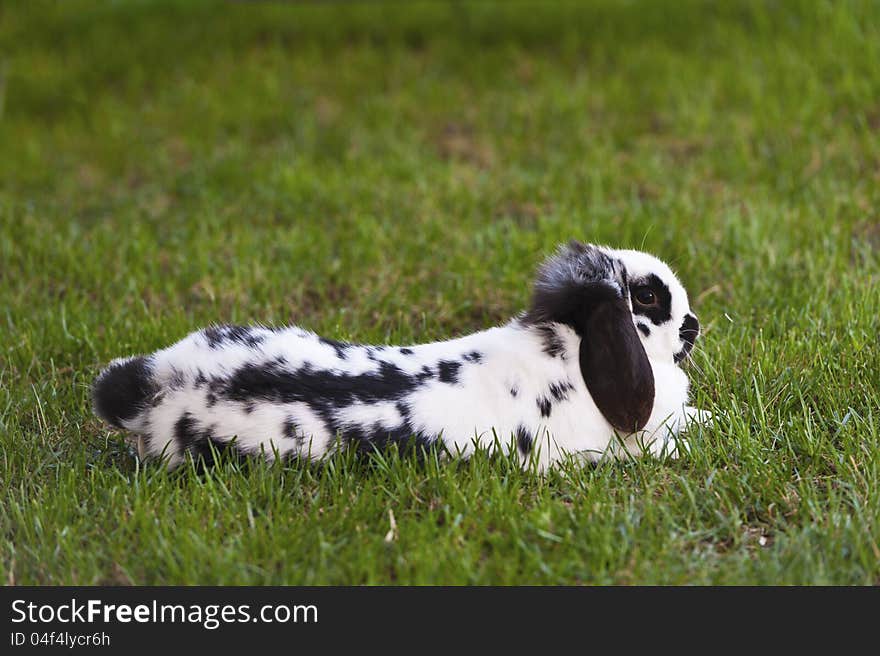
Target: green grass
[393,173]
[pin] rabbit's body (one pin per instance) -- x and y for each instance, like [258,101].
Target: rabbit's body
[289,392]
[286,392]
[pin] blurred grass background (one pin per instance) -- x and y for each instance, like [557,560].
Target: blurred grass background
[393,172]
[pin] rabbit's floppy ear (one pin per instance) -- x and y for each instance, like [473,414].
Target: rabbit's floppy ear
[585,288]
[615,366]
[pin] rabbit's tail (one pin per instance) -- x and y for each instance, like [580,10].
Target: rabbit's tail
[124,390]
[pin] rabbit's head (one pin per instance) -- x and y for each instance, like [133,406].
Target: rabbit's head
[629,309]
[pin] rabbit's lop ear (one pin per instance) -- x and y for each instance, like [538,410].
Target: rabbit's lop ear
[585,288]
[615,366]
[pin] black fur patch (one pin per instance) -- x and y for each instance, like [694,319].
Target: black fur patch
[404,410]
[552,345]
[288,429]
[406,351]
[425,374]
[378,436]
[448,370]
[662,311]
[218,336]
[339,347]
[124,390]
[474,356]
[269,381]
[514,391]
[644,329]
[197,440]
[524,439]
[559,391]
[544,406]
[688,333]
[244,335]
[176,380]
[216,386]
[186,431]
[215,336]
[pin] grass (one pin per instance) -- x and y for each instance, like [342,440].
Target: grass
[393,172]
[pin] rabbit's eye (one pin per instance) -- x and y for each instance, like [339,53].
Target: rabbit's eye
[644,296]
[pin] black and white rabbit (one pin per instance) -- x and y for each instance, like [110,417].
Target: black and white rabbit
[590,366]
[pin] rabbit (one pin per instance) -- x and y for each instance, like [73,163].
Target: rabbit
[589,370]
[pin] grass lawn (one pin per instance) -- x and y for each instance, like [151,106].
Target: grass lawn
[393,172]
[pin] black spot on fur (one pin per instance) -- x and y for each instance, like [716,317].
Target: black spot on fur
[245,335]
[216,386]
[339,347]
[186,431]
[514,391]
[406,351]
[124,390]
[688,333]
[524,439]
[271,382]
[559,391]
[199,441]
[544,406]
[644,329]
[249,408]
[214,335]
[176,380]
[449,370]
[199,380]
[218,336]
[403,409]
[662,311]
[378,436]
[288,429]
[552,345]
[474,356]
[425,374]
